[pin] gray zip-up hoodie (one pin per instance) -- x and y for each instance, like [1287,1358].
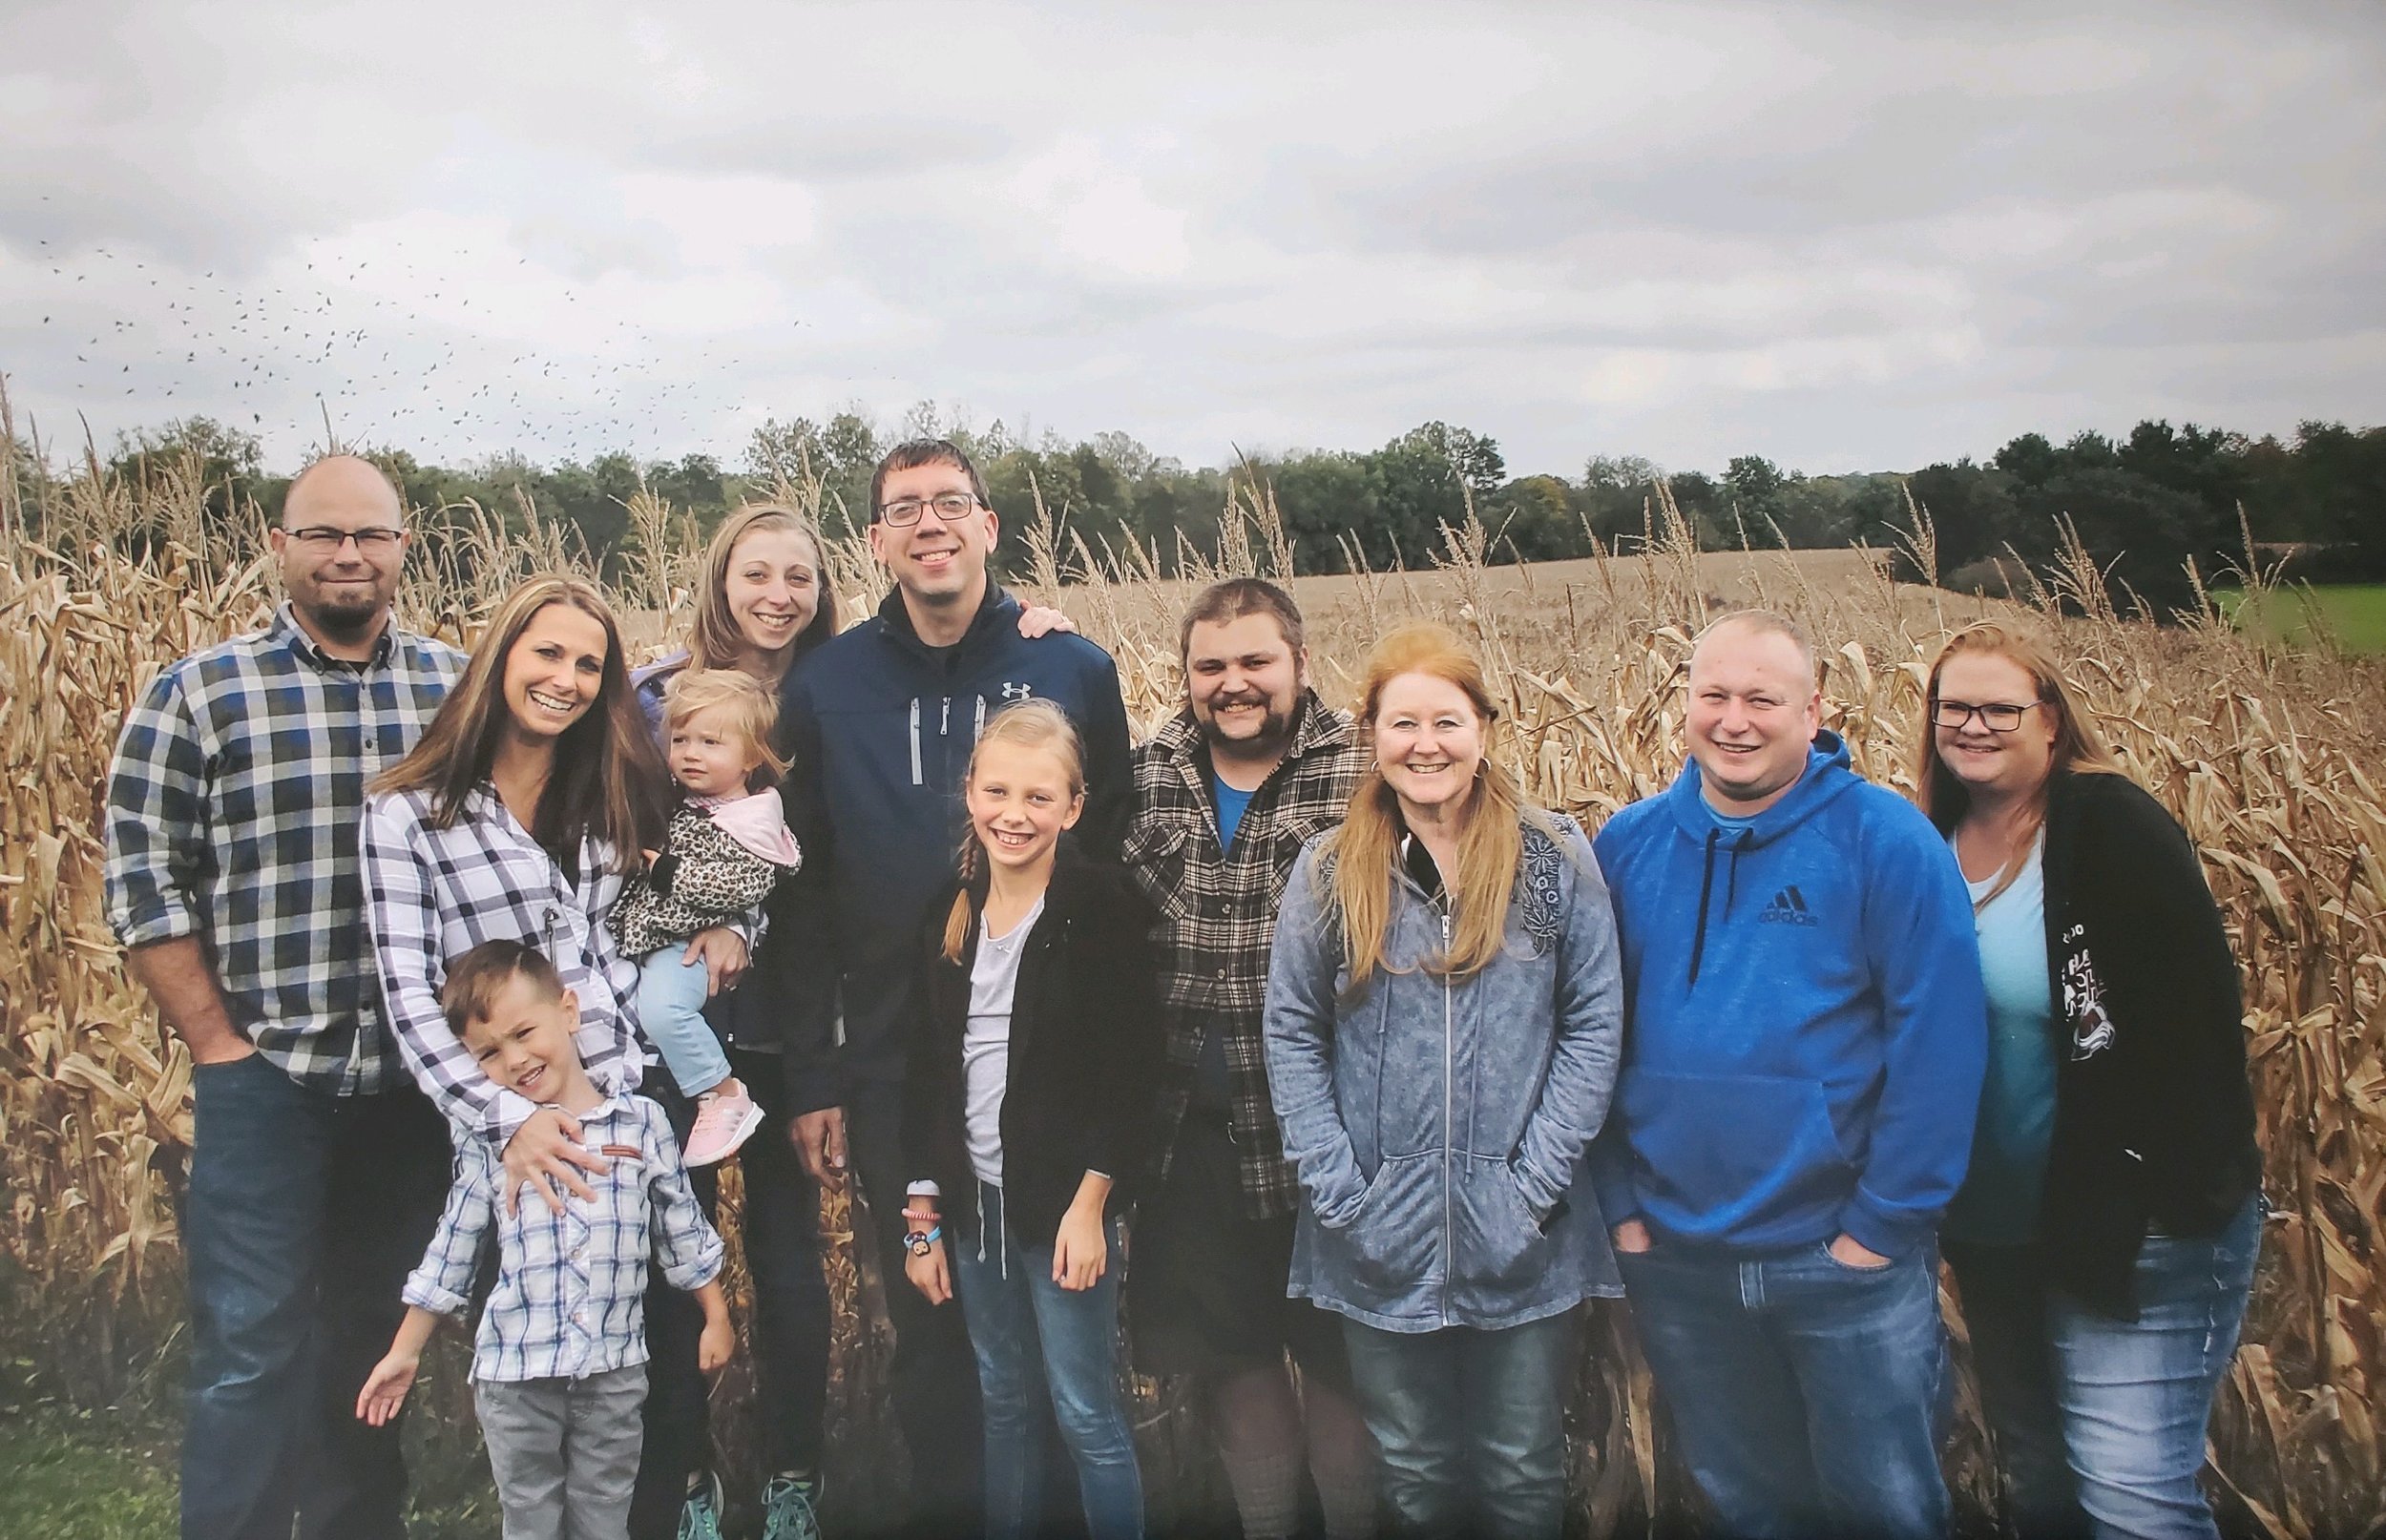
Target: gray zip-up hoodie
[1438,1125]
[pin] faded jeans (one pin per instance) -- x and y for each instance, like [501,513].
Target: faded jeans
[2099,1423]
[1807,1394]
[1471,1424]
[1034,1338]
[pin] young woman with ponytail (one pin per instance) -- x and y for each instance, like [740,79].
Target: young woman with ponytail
[1032,1061]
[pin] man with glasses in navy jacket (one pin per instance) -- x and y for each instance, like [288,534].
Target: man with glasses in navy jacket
[879,723]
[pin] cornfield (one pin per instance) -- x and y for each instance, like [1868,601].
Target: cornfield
[2260,753]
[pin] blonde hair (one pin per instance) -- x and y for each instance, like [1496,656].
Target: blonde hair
[608,779]
[715,641]
[2078,746]
[1490,845]
[752,711]
[1032,723]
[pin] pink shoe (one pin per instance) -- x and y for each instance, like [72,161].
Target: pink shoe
[724,1120]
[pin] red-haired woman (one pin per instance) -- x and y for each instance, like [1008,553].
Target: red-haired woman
[2104,1242]
[1444,1016]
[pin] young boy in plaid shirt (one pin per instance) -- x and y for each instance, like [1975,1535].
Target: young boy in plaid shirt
[560,1364]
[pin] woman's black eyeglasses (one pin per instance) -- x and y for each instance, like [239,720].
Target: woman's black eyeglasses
[1996,715]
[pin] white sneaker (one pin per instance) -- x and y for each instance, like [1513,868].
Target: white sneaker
[724,1120]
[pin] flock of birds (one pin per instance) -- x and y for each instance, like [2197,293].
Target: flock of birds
[385,350]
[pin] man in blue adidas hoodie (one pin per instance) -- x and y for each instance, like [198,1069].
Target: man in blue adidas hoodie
[879,723]
[1805,1038]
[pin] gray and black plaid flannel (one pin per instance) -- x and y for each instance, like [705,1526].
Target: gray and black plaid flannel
[232,816]
[1218,915]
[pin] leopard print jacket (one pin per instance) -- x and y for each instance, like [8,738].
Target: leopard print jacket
[704,878]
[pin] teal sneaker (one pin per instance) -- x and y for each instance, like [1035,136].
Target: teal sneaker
[699,1517]
[791,1509]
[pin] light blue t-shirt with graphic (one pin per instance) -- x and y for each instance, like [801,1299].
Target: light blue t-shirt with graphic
[1999,1203]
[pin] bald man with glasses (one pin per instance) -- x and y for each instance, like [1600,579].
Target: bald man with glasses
[234,882]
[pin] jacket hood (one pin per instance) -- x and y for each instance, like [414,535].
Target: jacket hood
[759,824]
[998,609]
[1828,777]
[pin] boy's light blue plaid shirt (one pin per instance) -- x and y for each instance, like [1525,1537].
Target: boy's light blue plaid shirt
[569,1299]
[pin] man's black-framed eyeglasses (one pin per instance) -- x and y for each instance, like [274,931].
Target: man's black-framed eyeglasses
[1996,715]
[947,507]
[372,539]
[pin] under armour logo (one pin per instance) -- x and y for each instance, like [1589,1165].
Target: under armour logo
[1017,691]
[1787,908]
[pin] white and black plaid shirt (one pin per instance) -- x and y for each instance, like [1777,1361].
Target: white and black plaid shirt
[568,1300]
[232,817]
[434,894]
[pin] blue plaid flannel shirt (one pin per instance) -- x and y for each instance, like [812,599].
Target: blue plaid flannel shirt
[232,814]
[568,1300]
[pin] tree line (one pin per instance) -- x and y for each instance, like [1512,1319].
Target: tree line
[2143,505]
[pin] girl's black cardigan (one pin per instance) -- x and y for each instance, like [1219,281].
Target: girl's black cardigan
[2154,1126]
[1084,1054]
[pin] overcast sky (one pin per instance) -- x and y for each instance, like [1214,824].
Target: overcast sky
[1843,235]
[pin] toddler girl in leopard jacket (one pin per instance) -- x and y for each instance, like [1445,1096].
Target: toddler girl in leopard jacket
[726,848]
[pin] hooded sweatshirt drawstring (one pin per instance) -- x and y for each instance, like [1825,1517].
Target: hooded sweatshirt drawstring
[1706,887]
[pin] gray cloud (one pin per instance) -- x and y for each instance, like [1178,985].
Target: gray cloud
[1840,234]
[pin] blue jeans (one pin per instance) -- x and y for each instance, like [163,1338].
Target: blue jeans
[1805,1393]
[2099,1423]
[1471,1424]
[306,1212]
[671,997]
[1035,1337]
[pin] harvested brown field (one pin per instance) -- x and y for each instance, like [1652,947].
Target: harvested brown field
[2268,757]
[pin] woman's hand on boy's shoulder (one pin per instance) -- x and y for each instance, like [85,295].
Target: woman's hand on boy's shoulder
[546,1153]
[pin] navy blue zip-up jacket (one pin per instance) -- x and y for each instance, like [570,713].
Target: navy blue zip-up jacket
[879,727]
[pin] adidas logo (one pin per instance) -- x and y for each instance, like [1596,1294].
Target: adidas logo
[1787,908]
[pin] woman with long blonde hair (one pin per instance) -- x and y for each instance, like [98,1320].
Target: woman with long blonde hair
[1443,1021]
[2103,1241]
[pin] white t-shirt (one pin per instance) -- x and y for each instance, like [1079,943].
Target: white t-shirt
[985,1042]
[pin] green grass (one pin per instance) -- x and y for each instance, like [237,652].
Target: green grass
[84,1477]
[2351,614]
[115,1474]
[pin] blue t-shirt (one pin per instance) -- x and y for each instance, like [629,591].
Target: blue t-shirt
[1213,1086]
[1230,808]
[1726,821]
[1999,1204]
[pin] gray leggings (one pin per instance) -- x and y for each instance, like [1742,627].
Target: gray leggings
[564,1452]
